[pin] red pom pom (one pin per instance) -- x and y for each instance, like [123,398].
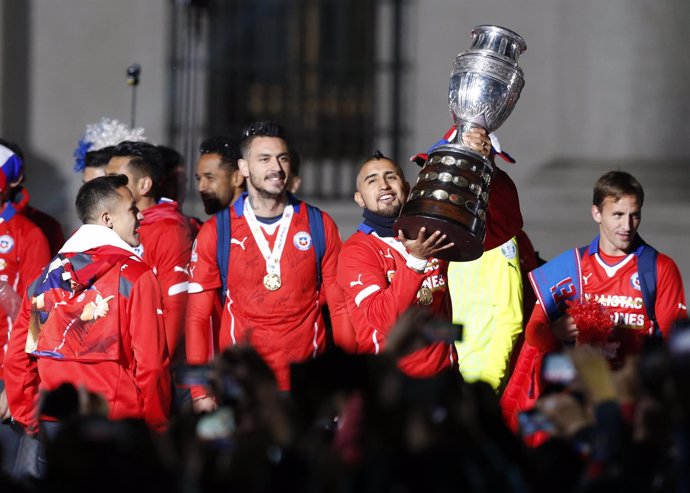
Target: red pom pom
[594,322]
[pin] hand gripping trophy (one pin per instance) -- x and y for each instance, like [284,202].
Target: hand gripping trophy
[452,190]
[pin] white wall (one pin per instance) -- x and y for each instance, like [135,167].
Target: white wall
[78,54]
[603,79]
[606,88]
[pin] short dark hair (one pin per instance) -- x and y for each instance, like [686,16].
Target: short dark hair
[170,158]
[145,159]
[263,128]
[227,149]
[616,185]
[95,194]
[98,158]
[377,156]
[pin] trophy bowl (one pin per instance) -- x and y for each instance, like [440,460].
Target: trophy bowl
[453,187]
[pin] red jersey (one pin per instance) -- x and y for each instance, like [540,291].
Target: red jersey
[285,325]
[24,252]
[379,287]
[109,338]
[166,245]
[614,282]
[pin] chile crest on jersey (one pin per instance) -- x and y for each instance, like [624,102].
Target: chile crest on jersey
[635,281]
[302,240]
[6,243]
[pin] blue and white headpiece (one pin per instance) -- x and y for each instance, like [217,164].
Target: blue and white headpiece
[107,132]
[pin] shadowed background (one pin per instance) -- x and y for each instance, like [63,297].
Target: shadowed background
[605,89]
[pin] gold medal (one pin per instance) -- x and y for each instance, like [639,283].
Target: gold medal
[272,282]
[425,296]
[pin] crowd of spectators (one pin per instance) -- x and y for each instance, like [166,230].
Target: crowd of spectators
[355,423]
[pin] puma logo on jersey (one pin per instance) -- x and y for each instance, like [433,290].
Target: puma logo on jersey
[586,278]
[233,241]
[177,268]
[358,282]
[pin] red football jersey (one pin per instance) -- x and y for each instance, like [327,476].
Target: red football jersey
[166,246]
[24,252]
[285,325]
[379,287]
[614,282]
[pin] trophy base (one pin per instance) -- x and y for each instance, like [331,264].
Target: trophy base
[451,196]
[467,245]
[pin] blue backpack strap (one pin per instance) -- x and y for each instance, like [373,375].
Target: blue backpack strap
[646,272]
[223,248]
[318,235]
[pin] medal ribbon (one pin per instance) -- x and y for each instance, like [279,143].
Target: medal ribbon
[272,257]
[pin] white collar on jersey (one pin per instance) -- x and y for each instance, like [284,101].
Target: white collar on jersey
[612,269]
[90,236]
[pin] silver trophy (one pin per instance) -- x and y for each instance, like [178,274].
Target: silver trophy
[452,190]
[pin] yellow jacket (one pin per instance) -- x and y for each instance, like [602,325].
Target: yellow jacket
[486,295]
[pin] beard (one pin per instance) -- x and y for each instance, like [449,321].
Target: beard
[392,210]
[258,184]
[212,204]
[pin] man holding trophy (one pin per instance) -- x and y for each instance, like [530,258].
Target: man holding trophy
[452,190]
[398,257]
[383,273]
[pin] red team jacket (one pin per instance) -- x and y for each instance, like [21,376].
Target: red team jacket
[126,361]
[379,287]
[24,252]
[613,282]
[166,245]
[284,326]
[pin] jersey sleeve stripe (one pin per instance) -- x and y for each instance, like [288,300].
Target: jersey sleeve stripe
[369,290]
[178,288]
[194,287]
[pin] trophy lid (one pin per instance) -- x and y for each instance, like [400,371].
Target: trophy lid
[499,40]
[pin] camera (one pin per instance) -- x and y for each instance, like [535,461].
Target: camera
[679,339]
[557,370]
[533,421]
[190,375]
[444,331]
[225,387]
